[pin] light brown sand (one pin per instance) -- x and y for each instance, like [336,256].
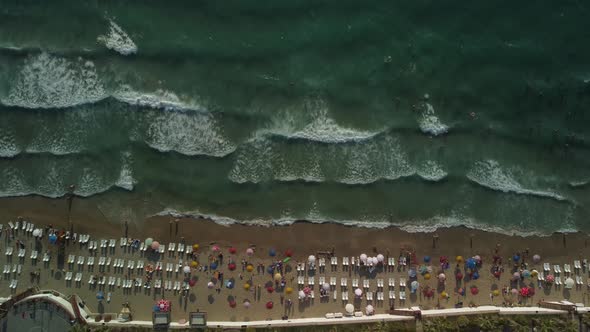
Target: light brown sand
[304,239]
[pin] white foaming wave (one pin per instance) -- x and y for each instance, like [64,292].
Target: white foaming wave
[118,40]
[254,162]
[431,171]
[47,81]
[491,175]
[189,134]
[430,123]
[160,99]
[422,226]
[8,146]
[126,180]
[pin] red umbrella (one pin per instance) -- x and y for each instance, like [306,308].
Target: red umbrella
[232,303]
[474,290]
[524,292]
[459,276]
[443,259]
[164,305]
[232,250]
[550,278]
[288,252]
[231,266]
[270,289]
[192,282]
[269,305]
[307,290]
[497,274]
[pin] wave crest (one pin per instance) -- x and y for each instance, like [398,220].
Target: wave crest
[118,40]
[430,123]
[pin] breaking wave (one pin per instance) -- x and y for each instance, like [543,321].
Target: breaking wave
[118,40]
[430,123]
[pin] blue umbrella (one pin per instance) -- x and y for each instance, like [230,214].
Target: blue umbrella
[426,259]
[229,285]
[471,263]
[213,266]
[272,252]
[270,270]
[412,273]
[516,258]
[100,295]
[52,238]
[475,275]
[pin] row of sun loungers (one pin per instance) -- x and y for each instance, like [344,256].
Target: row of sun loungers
[16,268]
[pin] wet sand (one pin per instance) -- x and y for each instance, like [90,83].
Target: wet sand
[304,239]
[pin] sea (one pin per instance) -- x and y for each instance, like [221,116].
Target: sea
[420,114]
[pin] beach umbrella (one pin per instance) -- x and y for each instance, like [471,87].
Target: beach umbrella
[427,276]
[301,294]
[516,257]
[477,258]
[514,291]
[471,263]
[215,248]
[536,258]
[429,269]
[232,250]
[496,292]
[459,275]
[164,305]
[550,278]
[186,269]
[444,295]
[250,268]
[441,277]
[459,259]
[213,265]
[422,269]
[534,273]
[311,259]
[286,259]
[231,266]
[278,277]
[524,292]
[497,274]
[426,259]
[326,286]
[414,285]
[100,295]
[569,283]
[148,242]
[349,308]
[37,232]
[516,276]
[289,253]
[288,290]
[246,304]
[52,238]
[474,290]
[232,303]
[155,245]
[194,264]
[461,291]
[272,252]
[249,251]
[247,286]
[269,305]
[526,273]
[369,310]
[307,290]
[380,258]
[412,273]
[195,247]
[363,258]
[210,284]
[475,275]
[270,289]
[358,292]
[229,284]
[192,282]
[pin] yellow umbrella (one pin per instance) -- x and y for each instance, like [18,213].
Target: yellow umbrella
[427,276]
[195,247]
[288,290]
[194,264]
[249,268]
[496,292]
[459,259]
[246,286]
[278,277]
[534,273]
[443,295]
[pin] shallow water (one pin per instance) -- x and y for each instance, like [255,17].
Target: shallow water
[421,115]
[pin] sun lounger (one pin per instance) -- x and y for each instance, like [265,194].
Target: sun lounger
[567,268]
[80,260]
[546,267]
[322,262]
[311,281]
[16,228]
[169,267]
[108,263]
[6,269]
[558,280]
[102,280]
[343,282]
[122,242]
[112,243]
[404,261]
[180,248]
[392,295]
[579,280]
[14,268]
[344,296]
[111,281]
[379,296]
[577,265]
[34,254]
[158,284]
[8,251]
[171,247]
[541,276]
[369,296]
[19,269]
[11,225]
[78,277]
[118,282]
[159,266]
[140,264]
[365,283]
[46,257]
[391,261]
[300,280]
[162,249]
[557,268]
[380,283]
[130,264]
[21,253]
[312,295]
[90,261]
[344,261]
[391,282]
[91,280]
[332,281]
[322,281]
[334,261]
[25,225]
[402,282]
[402,295]
[14,284]
[101,261]
[355,283]
[31,228]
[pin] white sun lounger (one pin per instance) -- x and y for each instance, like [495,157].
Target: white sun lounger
[343,282]
[546,267]
[345,261]
[169,267]
[111,281]
[80,260]
[558,280]
[108,263]
[140,264]
[78,277]
[366,283]
[577,265]
[332,281]
[567,268]
[180,249]
[14,268]
[158,283]
[579,280]
[380,283]
[379,296]
[34,254]
[300,280]
[130,264]
[392,295]
[118,282]
[9,251]
[391,282]
[46,257]
[321,281]
[556,268]
[162,249]
[25,225]
[112,243]
[322,262]
[14,284]
[334,260]
[90,261]
[91,280]
[171,247]
[391,261]
[6,269]
[402,282]
[101,261]
[103,243]
[102,280]
[122,242]
[17,226]
[355,283]
[311,281]
[21,253]
[19,269]
[11,225]
[402,295]
[369,296]
[541,276]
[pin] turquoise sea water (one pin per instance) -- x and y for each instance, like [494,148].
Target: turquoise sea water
[421,114]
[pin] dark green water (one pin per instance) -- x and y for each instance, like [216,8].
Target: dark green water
[423,114]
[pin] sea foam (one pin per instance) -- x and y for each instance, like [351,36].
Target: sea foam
[430,123]
[118,40]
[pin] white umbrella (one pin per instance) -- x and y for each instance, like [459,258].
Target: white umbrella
[369,309]
[37,232]
[186,269]
[363,258]
[375,260]
[311,258]
[301,294]
[569,283]
[380,258]
[326,286]
[210,284]
[358,292]
[414,285]
[349,308]
[442,277]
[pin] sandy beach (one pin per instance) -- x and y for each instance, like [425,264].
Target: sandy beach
[303,239]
